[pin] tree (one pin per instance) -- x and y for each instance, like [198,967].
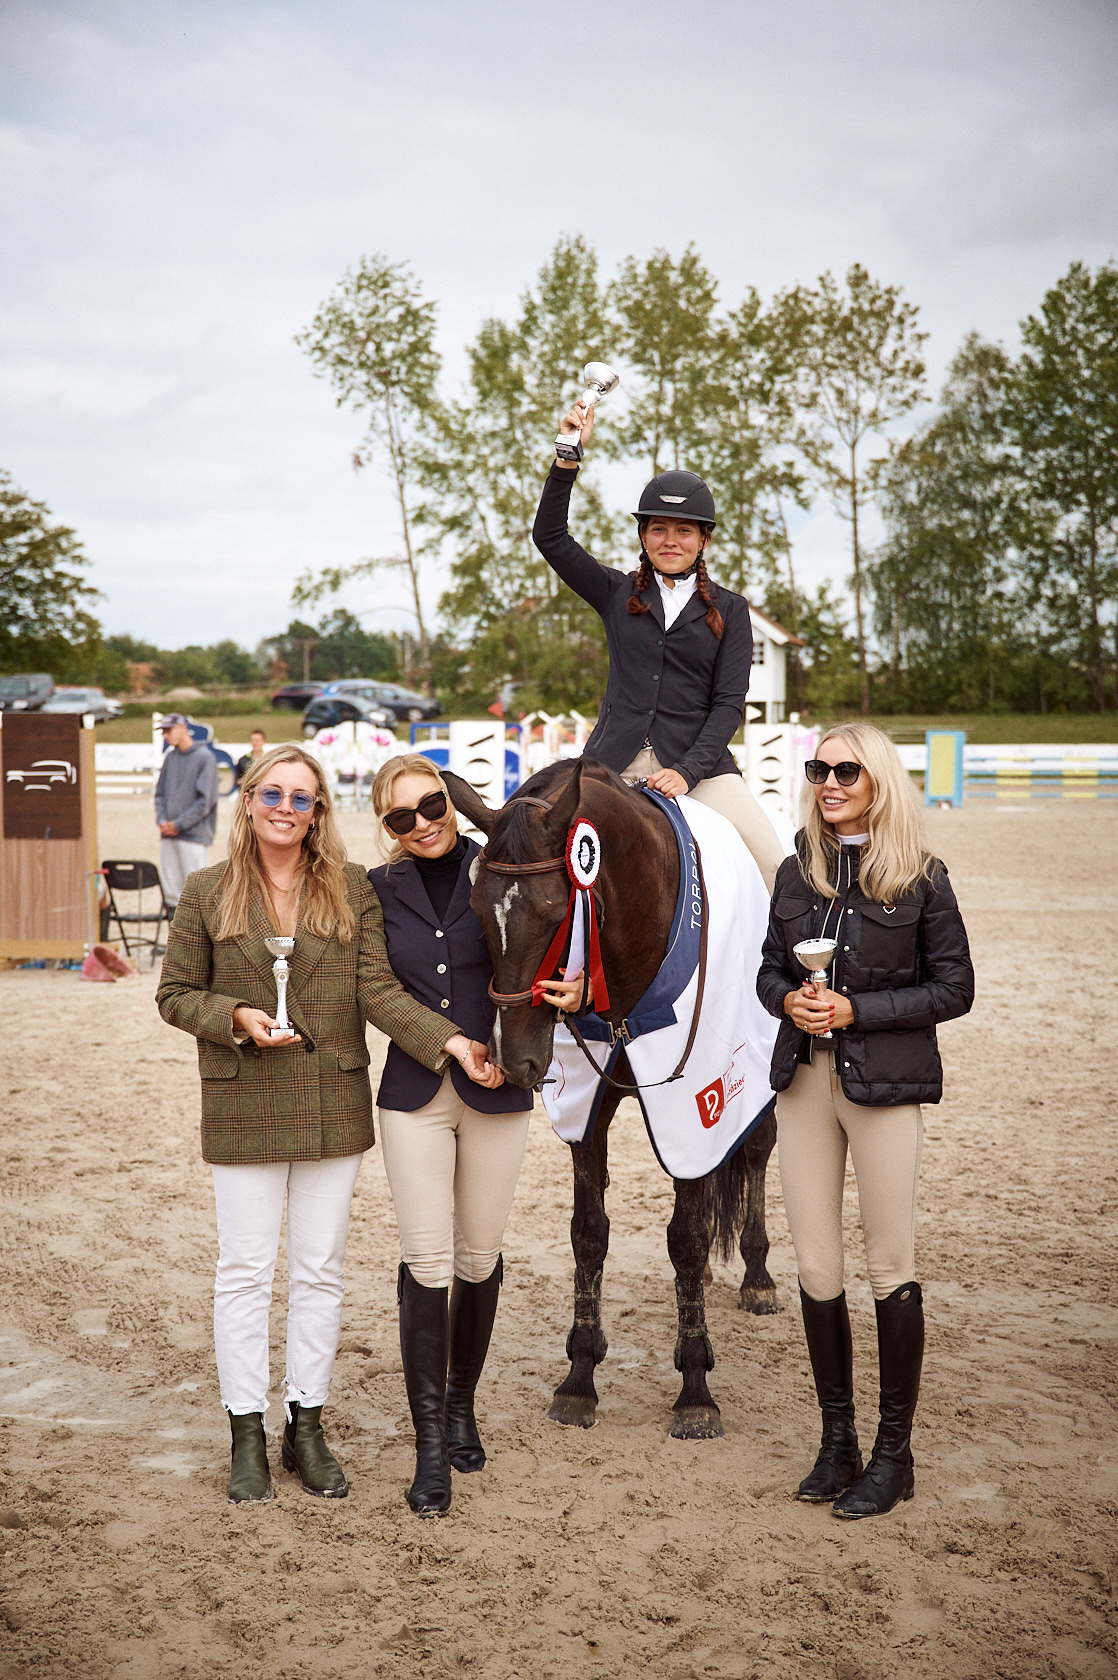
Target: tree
[663,325]
[483,473]
[862,370]
[338,646]
[823,674]
[374,340]
[1061,415]
[944,582]
[44,599]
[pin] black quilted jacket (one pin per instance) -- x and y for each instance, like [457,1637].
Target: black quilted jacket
[904,968]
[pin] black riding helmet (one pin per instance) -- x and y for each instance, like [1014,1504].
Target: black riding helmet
[677,495]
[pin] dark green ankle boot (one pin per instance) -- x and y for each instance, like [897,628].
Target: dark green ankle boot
[249,1478]
[306,1453]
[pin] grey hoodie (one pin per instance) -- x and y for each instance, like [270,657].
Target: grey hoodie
[186,793]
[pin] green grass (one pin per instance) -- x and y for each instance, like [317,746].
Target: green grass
[277,726]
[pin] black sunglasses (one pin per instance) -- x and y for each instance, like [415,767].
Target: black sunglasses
[846,774]
[431,807]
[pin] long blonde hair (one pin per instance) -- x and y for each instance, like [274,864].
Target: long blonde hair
[895,857]
[324,907]
[406,764]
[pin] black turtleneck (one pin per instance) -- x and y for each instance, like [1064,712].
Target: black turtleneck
[440,876]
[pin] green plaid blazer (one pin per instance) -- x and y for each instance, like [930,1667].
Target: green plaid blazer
[298,1102]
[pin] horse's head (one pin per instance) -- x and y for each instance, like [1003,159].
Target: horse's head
[520,907]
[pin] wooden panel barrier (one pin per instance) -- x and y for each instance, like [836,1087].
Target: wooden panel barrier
[48,887]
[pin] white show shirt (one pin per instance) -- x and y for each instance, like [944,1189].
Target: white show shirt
[675,599]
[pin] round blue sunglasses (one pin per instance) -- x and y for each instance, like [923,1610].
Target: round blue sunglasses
[301,802]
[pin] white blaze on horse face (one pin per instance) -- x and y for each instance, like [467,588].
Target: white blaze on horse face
[497,1036]
[501,912]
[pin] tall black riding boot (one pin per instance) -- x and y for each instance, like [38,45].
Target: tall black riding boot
[423,1348]
[473,1307]
[827,1328]
[249,1477]
[888,1477]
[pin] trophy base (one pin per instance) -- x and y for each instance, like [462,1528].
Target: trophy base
[568,447]
[281,1032]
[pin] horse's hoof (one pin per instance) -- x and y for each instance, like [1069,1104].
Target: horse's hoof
[759,1301]
[697,1423]
[573,1409]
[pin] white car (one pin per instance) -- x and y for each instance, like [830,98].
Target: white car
[83,700]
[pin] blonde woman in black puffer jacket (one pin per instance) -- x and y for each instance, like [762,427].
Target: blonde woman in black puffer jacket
[862,877]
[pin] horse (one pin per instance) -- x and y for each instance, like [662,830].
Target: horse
[520,897]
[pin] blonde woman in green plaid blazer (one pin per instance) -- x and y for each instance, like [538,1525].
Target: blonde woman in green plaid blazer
[287,1117]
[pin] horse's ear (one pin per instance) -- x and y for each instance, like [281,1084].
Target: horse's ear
[562,814]
[464,799]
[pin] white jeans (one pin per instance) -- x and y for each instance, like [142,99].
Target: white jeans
[249,1210]
[177,860]
[452,1172]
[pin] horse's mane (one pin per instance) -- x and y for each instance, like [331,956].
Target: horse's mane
[511,838]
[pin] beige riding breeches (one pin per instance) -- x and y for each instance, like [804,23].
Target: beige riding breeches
[729,796]
[452,1172]
[815,1125]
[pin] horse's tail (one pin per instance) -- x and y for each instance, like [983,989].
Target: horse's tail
[725,1194]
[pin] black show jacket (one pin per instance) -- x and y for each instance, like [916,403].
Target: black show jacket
[903,968]
[446,966]
[683,689]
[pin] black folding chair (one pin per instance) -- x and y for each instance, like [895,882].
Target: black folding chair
[136,877]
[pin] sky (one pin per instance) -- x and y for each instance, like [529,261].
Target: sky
[181,185]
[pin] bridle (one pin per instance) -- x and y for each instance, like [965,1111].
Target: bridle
[518,1000]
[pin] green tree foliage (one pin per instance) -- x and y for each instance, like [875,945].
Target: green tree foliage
[823,674]
[374,340]
[1061,418]
[483,470]
[338,647]
[863,369]
[45,621]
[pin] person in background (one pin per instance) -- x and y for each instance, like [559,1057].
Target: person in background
[185,805]
[863,878]
[257,745]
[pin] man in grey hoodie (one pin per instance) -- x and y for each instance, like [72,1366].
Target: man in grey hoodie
[185,805]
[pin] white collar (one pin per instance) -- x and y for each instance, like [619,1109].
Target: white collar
[677,597]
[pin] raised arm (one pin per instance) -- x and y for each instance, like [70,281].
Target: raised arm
[585,575]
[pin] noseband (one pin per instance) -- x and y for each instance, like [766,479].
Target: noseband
[515,1000]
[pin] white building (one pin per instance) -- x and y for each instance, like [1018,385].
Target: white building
[768,690]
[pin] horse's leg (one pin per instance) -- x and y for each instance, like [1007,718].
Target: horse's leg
[697,1418]
[576,1398]
[758,1292]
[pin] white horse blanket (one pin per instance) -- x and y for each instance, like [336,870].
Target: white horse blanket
[696,1122]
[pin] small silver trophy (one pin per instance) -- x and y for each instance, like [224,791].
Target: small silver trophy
[281,948]
[600,380]
[816,954]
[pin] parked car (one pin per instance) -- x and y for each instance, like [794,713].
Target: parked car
[83,700]
[404,706]
[25,694]
[295,697]
[331,709]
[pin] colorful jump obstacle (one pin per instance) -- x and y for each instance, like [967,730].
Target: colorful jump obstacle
[1088,771]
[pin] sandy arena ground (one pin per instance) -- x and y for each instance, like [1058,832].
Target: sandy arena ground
[617,1551]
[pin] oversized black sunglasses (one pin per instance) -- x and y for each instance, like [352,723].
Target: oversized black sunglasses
[300,801]
[431,807]
[846,774]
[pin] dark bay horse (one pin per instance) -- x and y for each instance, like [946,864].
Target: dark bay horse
[520,907]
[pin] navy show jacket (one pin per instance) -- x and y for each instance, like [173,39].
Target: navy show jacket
[445,965]
[683,689]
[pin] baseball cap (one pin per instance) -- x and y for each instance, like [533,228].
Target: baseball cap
[170,719]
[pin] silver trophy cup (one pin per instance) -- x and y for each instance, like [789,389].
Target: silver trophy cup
[816,954]
[600,380]
[281,948]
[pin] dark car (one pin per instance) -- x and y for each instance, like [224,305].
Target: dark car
[404,706]
[25,694]
[295,697]
[331,709]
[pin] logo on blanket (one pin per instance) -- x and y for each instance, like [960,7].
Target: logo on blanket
[584,854]
[711,1101]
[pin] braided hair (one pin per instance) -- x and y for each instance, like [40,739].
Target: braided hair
[643,581]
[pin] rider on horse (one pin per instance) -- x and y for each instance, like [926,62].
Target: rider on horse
[680,647]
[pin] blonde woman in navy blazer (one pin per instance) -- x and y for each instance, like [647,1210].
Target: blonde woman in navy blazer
[452,1141]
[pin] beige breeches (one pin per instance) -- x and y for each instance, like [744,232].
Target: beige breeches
[815,1124]
[452,1173]
[729,796]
